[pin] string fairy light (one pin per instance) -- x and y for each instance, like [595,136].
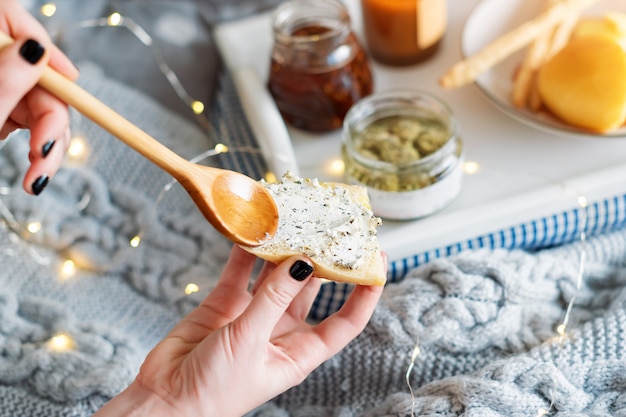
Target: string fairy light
[191,288]
[471,167]
[78,150]
[116,19]
[33,227]
[542,412]
[135,241]
[68,269]
[197,106]
[417,350]
[561,328]
[61,342]
[336,167]
[48,9]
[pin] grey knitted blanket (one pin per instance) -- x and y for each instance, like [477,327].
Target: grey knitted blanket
[484,321]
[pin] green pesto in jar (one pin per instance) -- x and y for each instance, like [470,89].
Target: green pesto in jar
[401,141]
[404,146]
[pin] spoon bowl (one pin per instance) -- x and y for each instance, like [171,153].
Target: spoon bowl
[234,204]
[237,206]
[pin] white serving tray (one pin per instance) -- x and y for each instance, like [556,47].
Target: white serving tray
[525,174]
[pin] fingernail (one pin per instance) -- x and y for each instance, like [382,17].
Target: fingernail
[300,270]
[45,149]
[32,51]
[39,184]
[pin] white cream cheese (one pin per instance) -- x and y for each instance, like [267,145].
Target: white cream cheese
[323,220]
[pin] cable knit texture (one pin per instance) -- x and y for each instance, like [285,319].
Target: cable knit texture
[484,321]
[123,300]
[485,324]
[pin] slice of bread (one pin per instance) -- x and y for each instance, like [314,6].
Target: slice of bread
[330,223]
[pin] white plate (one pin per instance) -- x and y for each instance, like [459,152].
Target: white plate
[493,18]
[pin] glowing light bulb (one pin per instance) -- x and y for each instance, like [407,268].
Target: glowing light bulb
[416,352]
[197,107]
[582,201]
[336,167]
[221,148]
[60,343]
[115,19]
[135,241]
[542,412]
[78,148]
[68,269]
[33,227]
[561,329]
[191,288]
[48,9]
[471,167]
[270,177]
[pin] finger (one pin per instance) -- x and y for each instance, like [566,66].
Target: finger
[49,126]
[9,126]
[237,271]
[60,62]
[21,64]
[274,297]
[343,326]
[323,341]
[335,332]
[224,303]
[301,305]
[266,270]
[18,23]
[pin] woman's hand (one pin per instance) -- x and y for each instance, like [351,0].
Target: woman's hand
[23,105]
[241,348]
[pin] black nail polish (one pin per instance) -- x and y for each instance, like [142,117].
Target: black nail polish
[32,51]
[300,270]
[45,149]
[39,184]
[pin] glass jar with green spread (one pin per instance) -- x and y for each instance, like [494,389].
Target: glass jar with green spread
[405,148]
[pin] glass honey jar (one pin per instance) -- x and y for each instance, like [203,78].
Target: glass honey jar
[318,67]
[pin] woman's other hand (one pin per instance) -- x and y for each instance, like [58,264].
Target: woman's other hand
[24,105]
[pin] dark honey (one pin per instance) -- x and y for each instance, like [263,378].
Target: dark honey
[318,69]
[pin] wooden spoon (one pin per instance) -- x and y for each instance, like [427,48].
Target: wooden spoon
[237,206]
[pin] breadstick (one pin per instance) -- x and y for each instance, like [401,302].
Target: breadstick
[563,32]
[525,78]
[469,69]
[525,83]
[559,39]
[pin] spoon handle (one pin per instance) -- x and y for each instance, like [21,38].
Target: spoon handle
[111,121]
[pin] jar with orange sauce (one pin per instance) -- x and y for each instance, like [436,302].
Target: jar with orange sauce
[318,67]
[403,32]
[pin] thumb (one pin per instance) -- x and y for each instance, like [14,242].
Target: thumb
[21,65]
[275,295]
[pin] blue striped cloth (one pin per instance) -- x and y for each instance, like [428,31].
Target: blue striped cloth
[596,218]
